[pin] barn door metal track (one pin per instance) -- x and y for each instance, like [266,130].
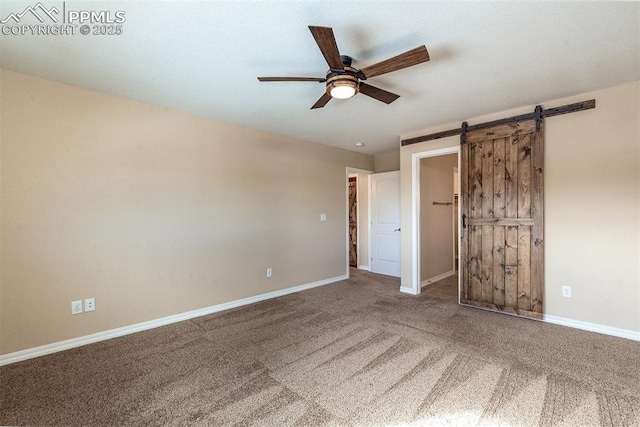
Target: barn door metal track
[537,115]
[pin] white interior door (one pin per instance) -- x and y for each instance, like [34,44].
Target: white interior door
[385,223]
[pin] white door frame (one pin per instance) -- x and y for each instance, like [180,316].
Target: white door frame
[348,171]
[415,212]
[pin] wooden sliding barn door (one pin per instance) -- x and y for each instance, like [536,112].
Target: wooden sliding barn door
[502,208]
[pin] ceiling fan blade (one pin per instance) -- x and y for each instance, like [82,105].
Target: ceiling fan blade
[404,60]
[377,93]
[328,46]
[322,101]
[292,79]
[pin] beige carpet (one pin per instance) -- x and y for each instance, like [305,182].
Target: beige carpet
[446,288]
[354,353]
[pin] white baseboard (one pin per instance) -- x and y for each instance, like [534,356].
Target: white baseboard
[593,327]
[138,327]
[436,278]
[364,267]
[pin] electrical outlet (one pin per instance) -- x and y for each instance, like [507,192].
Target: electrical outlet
[76,307]
[566,291]
[89,304]
[323,217]
[269,272]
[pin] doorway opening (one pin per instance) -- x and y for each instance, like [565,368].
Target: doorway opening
[435,219]
[437,226]
[353,220]
[357,214]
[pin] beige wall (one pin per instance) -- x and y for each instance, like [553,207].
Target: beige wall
[151,211]
[436,221]
[592,207]
[387,162]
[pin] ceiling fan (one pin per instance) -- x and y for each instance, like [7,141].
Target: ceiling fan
[342,80]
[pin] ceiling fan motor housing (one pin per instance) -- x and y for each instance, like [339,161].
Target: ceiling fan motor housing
[337,79]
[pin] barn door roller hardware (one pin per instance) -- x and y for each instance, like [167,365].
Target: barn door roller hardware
[537,115]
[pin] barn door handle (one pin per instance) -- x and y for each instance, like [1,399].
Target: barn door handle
[464,221]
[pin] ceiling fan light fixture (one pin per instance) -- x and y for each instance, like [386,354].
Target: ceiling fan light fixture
[342,91]
[342,86]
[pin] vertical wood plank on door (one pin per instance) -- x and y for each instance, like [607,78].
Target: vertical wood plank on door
[487,179]
[511,267]
[511,233]
[524,176]
[475,259]
[511,177]
[537,231]
[476,180]
[487,264]
[524,268]
[498,178]
[499,209]
[475,252]
[487,230]
[464,212]
[498,266]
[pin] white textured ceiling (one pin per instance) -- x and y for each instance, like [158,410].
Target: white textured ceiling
[203,57]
